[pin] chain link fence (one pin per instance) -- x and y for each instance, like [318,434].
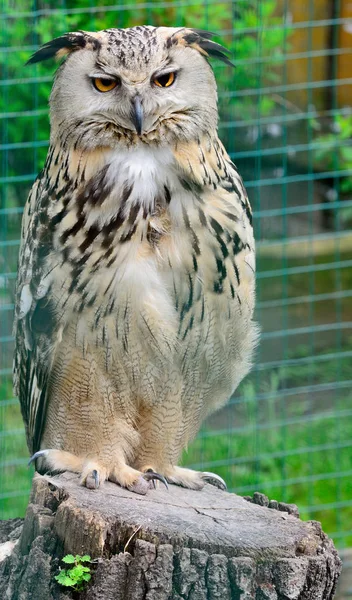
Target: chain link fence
[285,117]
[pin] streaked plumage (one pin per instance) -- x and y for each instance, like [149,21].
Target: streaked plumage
[135,289]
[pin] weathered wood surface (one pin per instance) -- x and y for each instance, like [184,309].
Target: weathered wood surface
[188,545]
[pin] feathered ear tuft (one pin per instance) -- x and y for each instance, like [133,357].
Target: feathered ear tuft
[201,41]
[63,45]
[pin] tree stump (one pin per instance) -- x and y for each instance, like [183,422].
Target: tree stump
[174,544]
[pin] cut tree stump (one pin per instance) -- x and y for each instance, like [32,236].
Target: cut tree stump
[174,544]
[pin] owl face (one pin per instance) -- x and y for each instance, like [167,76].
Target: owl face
[142,84]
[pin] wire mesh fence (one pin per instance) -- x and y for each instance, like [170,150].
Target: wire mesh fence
[285,117]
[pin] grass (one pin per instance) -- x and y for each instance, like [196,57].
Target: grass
[15,475]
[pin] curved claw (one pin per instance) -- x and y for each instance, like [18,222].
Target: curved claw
[38,455]
[93,480]
[215,480]
[96,478]
[152,475]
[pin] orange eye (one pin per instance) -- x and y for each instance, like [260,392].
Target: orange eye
[103,84]
[165,80]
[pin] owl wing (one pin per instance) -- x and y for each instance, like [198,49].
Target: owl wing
[33,324]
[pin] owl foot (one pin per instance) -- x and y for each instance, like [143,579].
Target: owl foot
[93,473]
[134,480]
[143,483]
[193,479]
[57,460]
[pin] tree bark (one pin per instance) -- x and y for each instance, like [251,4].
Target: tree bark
[171,544]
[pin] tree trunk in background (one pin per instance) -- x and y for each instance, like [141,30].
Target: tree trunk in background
[187,545]
[344,42]
[321,65]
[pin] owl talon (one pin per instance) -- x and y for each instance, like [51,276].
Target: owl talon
[37,455]
[93,480]
[151,475]
[96,478]
[214,480]
[152,483]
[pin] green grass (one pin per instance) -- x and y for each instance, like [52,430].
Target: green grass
[15,475]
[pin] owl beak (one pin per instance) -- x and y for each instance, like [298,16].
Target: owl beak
[137,114]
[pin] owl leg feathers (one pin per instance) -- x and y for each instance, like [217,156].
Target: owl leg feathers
[158,429]
[161,444]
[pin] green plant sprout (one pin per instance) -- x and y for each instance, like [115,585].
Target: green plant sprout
[78,575]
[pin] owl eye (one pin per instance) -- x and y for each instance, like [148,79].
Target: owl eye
[164,80]
[104,84]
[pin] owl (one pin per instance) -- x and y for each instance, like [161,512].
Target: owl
[136,281]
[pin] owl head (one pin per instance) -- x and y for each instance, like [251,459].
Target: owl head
[143,84]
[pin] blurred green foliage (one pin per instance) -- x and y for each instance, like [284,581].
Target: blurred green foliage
[28,88]
[335,151]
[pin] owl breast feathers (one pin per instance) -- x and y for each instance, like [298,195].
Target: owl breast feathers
[135,289]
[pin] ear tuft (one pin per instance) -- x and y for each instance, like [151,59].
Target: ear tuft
[207,35]
[201,41]
[65,44]
[215,51]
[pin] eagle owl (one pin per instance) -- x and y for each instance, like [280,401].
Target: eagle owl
[135,288]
